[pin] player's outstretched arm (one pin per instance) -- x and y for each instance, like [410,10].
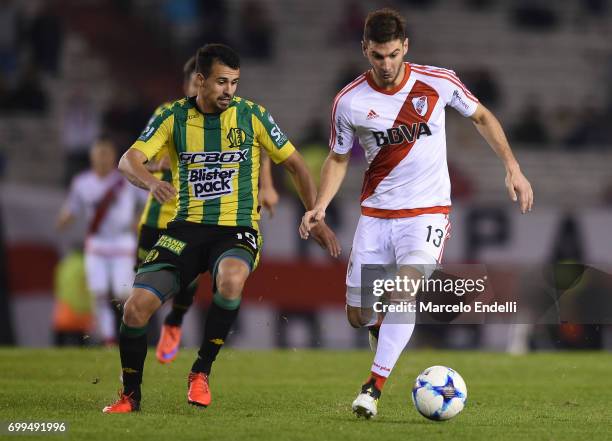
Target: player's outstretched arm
[519,188]
[64,219]
[307,191]
[268,196]
[132,165]
[333,172]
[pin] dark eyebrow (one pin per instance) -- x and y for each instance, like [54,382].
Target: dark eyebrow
[226,79]
[378,54]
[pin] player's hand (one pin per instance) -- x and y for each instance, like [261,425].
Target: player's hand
[519,189]
[309,220]
[162,191]
[268,199]
[326,238]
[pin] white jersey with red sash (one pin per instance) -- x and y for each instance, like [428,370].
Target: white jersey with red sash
[405,198]
[109,205]
[403,134]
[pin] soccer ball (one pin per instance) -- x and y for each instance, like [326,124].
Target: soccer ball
[439,393]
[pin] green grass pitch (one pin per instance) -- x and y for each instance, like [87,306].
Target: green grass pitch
[306,395]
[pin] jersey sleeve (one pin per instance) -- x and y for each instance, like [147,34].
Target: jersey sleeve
[270,137]
[156,134]
[342,132]
[459,97]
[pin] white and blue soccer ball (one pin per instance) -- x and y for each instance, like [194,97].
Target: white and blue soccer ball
[439,393]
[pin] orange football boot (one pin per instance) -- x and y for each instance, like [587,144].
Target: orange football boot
[125,404]
[168,344]
[199,392]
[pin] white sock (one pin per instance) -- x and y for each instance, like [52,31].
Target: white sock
[395,332]
[105,319]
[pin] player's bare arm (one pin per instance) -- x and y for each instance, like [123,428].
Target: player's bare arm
[160,165]
[268,196]
[132,165]
[519,188]
[64,219]
[333,172]
[307,191]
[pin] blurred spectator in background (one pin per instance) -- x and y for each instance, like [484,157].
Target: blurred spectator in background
[28,96]
[479,5]
[560,124]
[213,23]
[535,15]
[418,3]
[107,202]
[182,17]
[80,128]
[483,84]
[591,130]
[257,36]
[72,313]
[349,72]
[530,127]
[10,18]
[349,28]
[595,8]
[43,32]
[127,114]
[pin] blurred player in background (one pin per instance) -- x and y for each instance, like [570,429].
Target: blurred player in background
[156,215]
[397,112]
[108,203]
[214,141]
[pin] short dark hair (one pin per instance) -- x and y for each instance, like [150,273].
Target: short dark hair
[189,68]
[221,53]
[384,25]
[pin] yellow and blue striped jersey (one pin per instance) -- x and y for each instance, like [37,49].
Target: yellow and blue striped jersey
[155,214]
[215,158]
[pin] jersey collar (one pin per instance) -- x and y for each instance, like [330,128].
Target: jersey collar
[396,89]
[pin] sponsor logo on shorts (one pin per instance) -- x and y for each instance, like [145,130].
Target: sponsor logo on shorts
[210,183]
[148,257]
[171,244]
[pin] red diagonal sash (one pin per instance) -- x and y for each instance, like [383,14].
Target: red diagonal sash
[104,205]
[388,157]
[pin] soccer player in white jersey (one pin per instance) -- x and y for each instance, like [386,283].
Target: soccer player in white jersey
[396,110]
[108,203]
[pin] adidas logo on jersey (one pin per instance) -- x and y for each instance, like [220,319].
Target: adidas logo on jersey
[372,114]
[401,133]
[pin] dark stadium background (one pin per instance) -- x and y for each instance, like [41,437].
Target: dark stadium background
[70,70]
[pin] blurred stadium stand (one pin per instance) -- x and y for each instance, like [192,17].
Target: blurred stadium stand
[125,57]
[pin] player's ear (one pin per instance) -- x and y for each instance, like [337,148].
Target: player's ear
[364,48]
[405,51]
[199,79]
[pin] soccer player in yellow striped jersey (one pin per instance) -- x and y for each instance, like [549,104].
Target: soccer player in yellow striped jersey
[155,218]
[214,141]
[157,215]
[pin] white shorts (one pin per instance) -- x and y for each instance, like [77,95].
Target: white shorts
[417,240]
[109,266]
